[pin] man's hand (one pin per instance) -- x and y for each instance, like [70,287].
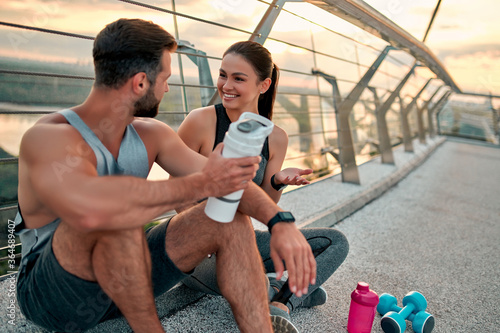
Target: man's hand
[288,244]
[227,175]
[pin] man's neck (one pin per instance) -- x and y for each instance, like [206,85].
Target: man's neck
[107,112]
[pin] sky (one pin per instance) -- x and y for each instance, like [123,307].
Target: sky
[465,36]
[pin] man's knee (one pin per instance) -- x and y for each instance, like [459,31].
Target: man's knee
[126,236]
[240,229]
[243,222]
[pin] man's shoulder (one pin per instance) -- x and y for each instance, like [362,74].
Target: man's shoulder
[48,140]
[50,126]
[52,118]
[153,131]
[150,125]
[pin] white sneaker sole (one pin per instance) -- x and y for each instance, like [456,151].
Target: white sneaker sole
[282,325]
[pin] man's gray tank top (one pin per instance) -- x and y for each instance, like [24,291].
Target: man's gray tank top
[222,127]
[132,160]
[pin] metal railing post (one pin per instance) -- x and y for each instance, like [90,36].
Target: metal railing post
[376,99]
[405,126]
[343,109]
[420,117]
[302,118]
[437,107]
[407,137]
[494,117]
[381,112]
[430,118]
[199,59]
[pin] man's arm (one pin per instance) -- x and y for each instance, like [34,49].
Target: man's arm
[288,244]
[65,181]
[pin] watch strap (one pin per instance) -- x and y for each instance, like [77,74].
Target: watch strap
[280,217]
[277,187]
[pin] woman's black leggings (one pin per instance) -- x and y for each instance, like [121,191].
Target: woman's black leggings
[329,246]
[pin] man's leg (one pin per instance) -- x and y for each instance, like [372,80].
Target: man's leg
[191,236]
[120,262]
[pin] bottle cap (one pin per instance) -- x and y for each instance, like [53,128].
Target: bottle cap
[248,126]
[364,295]
[363,287]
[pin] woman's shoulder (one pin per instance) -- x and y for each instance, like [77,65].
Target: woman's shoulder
[198,123]
[278,135]
[278,142]
[201,115]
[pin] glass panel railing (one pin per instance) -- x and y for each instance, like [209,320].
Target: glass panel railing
[470,117]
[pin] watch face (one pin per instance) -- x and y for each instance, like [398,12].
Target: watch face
[287,216]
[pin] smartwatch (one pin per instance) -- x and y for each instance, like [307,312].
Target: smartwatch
[286,217]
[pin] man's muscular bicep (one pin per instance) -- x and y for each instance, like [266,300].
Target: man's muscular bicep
[175,157]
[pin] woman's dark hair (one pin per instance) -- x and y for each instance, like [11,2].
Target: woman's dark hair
[127,47]
[262,62]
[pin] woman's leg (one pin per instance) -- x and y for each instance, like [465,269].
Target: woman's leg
[204,277]
[330,248]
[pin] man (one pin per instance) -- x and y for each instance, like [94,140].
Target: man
[84,199]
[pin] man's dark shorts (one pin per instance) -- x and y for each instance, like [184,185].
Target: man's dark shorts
[60,301]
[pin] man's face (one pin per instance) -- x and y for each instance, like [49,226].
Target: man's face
[148,105]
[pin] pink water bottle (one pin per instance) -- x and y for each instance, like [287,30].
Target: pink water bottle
[362,311]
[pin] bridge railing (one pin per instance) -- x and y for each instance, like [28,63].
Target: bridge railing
[469,116]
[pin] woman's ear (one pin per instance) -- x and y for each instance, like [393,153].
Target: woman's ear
[264,85]
[140,83]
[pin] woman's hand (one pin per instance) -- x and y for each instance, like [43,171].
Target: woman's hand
[292,176]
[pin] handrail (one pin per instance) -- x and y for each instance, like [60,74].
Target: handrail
[369,19]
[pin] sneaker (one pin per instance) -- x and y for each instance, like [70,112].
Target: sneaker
[317,297]
[281,321]
[274,285]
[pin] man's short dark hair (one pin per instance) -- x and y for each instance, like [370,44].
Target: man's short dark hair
[127,47]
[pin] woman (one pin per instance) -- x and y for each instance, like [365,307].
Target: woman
[248,81]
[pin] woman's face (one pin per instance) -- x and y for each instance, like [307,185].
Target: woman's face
[238,84]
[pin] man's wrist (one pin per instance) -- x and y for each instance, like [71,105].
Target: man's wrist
[283,217]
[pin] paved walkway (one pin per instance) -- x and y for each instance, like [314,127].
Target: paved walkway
[436,231]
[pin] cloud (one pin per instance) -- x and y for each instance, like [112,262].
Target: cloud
[469,50]
[476,70]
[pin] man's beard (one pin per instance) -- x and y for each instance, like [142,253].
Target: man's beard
[147,106]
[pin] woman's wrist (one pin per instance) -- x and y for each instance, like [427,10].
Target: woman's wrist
[277,187]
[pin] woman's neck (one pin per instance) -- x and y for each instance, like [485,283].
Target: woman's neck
[234,114]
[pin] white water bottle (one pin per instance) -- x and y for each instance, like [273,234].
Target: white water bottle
[245,137]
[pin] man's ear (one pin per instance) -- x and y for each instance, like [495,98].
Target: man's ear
[140,83]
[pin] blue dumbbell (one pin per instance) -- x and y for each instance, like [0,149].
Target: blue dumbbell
[393,320]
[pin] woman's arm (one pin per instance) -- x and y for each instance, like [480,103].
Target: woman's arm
[198,130]
[278,144]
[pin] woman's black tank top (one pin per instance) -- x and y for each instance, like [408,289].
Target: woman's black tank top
[223,123]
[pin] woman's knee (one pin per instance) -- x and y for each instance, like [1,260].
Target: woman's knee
[321,239]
